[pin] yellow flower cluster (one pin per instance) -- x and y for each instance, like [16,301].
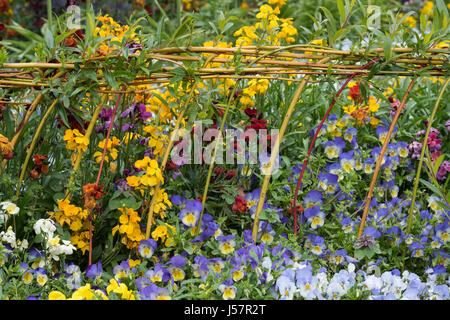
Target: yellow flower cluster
[409,21]
[360,112]
[110,149]
[87,293]
[427,8]
[76,219]
[165,233]
[120,289]
[161,202]
[158,140]
[115,31]
[271,28]
[255,86]
[129,227]
[75,140]
[156,105]
[150,177]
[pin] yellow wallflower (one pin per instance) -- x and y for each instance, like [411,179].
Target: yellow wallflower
[267,12]
[278,3]
[110,149]
[427,8]
[75,140]
[129,228]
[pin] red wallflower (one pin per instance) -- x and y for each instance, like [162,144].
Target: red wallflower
[251,112]
[355,94]
[240,204]
[39,166]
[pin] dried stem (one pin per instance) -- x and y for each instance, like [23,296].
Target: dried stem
[33,143]
[305,163]
[380,158]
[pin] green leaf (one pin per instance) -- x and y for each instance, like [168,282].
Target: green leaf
[430,186]
[387,45]
[330,18]
[441,6]
[182,28]
[113,204]
[438,164]
[341,10]
[110,79]
[58,196]
[48,36]
[360,254]
[339,34]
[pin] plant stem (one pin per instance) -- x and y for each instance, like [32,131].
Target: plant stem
[49,14]
[33,143]
[380,158]
[211,165]
[305,163]
[90,217]
[166,158]
[87,135]
[422,153]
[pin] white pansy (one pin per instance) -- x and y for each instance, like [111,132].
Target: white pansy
[45,226]
[9,237]
[22,244]
[9,208]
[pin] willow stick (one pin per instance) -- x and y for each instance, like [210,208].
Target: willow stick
[90,217]
[274,152]
[89,130]
[22,125]
[166,158]
[305,163]
[218,141]
[167,153]
[32,145]
[422,153]
[380,158]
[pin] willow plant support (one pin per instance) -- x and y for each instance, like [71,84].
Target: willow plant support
[27,116]
[305,163]
[166,158]
[32,145]
[380,157]
[218,141]
[100,170]
[275,149]
[89,131]
[422,154]
[167,153]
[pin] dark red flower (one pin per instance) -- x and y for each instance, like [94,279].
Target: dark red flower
[240,205]
[251,112]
